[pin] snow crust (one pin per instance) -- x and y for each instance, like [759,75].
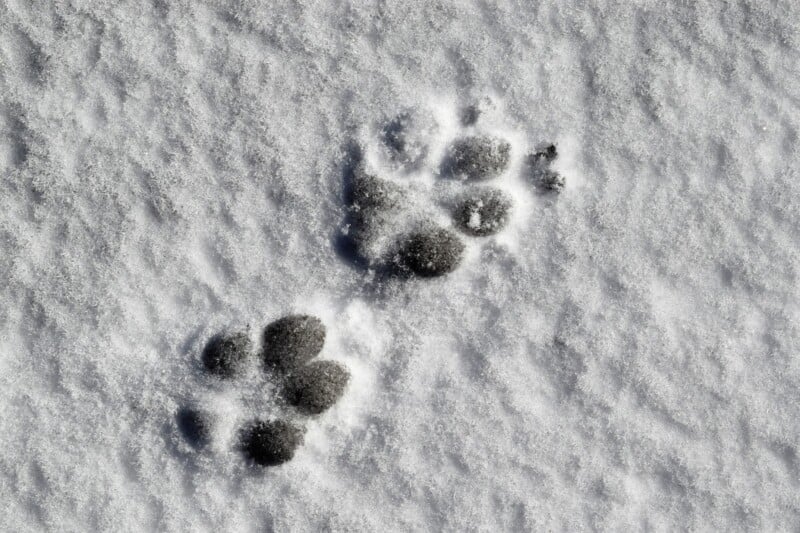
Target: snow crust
[623,357]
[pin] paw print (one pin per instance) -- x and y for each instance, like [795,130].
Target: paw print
[289,376]
[420,195]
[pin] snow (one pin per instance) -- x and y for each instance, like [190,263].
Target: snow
[622,357]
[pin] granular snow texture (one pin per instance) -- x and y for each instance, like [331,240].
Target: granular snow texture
[624,357]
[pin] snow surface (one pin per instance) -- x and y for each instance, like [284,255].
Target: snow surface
[623,357]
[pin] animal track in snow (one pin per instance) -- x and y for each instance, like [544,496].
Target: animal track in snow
[417,193]
[304,386]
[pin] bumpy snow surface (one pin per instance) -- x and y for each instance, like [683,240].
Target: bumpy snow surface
[622,356]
